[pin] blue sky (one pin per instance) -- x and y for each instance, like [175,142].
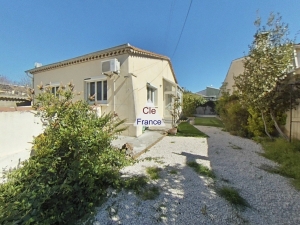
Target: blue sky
[216,32]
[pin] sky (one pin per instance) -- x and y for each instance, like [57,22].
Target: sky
[215,33]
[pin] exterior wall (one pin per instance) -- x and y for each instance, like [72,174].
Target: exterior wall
[295,125]
[119,88]
[16,134]
[127,94]
[152,71]
[236,68]
[295,133]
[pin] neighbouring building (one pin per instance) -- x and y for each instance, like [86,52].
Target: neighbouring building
[237,67]
[210,94]
[13,95]
[122,79]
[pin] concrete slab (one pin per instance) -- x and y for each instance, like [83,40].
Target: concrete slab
[141,143]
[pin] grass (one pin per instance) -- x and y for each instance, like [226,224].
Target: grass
[287,155]
[200,169]
[209,121]
[187,130]
[153,172]
[232,196]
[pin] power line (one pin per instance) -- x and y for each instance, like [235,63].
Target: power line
[182,28]
[169,22]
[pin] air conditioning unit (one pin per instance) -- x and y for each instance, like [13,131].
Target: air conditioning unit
[110,67]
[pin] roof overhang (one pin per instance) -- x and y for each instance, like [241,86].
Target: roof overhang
[110,52]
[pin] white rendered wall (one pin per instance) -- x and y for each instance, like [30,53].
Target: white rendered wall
[16,134]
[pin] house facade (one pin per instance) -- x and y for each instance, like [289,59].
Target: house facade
[122,79]
[237,67]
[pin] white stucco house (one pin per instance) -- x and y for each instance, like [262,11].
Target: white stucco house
[122,79]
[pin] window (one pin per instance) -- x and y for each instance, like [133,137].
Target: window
[98,89]
[54,90]
[151,94]
[53,87]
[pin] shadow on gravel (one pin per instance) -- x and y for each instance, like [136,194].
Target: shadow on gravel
[271,199]
[185,198]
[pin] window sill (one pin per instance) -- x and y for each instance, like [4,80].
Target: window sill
[98,103]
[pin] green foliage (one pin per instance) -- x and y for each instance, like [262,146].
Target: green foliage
[265,84]
[187,130]
[153,172]
[209,121]
[209,105]
[233,114]
[232,196]
[191,102]
[287,155]
[173,172]
[150,193]
[200,169]
[256,124]
[136,183]
[175,110]
[73,164]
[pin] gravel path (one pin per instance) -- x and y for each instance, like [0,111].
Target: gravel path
[271,197]
[188,198]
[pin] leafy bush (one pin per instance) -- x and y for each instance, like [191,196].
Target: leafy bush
[190,103]
[234,116]
[256,124]
[71,169]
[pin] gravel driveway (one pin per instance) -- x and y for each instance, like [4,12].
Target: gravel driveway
[188,198]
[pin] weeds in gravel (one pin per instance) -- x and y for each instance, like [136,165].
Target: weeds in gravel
[155,159]
[135,183]
[173,172]
[233,146]
[150,193]
[139,184]
[200,169]
[232,196]
[204,210]
[153,172]
[287,155]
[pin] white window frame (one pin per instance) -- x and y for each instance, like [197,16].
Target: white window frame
[152,94]
[54,87]
[95,80]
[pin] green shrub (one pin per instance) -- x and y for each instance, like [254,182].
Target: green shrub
[234,115]
[71,169]
[256,125]
[190,103]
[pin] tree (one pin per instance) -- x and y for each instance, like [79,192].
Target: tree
[265,84]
